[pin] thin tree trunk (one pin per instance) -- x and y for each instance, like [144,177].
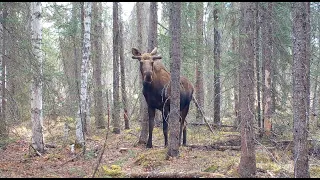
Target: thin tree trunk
[217,60]
[143,104]
[123,85]
[301,90]
[152,43]
[267,66]
[116,99]
[175,51]
[36,85]
[247,166]
[3,59]
[97,59]
[82,111]
[234,46]
[199,62]
[257,61]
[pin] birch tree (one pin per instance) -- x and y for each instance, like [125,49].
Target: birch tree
[82,111]
[36,84]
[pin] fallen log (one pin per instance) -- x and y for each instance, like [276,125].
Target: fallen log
[175,175]
[211,124]
[215,147]
[220,147]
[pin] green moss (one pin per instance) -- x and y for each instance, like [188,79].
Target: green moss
[212,168]
[262,158]
[314,171]
[271,166]
[152,158]
[112,171]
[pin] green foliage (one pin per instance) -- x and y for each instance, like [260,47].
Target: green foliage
[112,171]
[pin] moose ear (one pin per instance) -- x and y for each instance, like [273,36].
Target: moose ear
[136,52]
[154,51]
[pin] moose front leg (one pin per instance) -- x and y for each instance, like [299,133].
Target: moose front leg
[151,112]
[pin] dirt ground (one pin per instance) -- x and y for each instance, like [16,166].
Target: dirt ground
[206,155]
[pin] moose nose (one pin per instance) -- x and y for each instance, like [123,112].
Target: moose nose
[147,76]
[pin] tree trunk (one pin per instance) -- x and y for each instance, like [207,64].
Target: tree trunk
[97,61]
[116,99]
[71,63]
[152,43]
[217,60]
[301,86]
[199,62]
[267,68]
[123,85]
[175,53]
[143,104]
[257,62]
[36,84]
[247,166]
[234,48]
[3,59]
[82,111]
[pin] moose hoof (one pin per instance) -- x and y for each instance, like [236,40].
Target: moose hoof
[149,146]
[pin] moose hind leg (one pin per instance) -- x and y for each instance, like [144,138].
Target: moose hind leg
[165,126]
[183,125]
[151,113]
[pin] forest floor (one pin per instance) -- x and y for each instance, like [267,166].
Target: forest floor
[206,155]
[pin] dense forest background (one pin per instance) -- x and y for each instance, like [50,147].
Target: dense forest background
[67,77]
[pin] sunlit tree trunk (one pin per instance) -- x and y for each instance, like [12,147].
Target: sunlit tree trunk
[175,51]
[97,61]
[116,99]
[36,84]
[82,111]
[301,86]
[247,166]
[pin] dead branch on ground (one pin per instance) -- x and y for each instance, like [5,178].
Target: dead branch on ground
[99,160]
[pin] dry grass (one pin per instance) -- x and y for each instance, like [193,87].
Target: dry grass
[15,160]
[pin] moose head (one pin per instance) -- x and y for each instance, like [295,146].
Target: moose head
[146,63]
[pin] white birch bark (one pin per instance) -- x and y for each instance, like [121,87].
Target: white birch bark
[36,85]
[82,112]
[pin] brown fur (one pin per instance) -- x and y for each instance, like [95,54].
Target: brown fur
[156,88]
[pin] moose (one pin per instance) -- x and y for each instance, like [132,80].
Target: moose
[156,90]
